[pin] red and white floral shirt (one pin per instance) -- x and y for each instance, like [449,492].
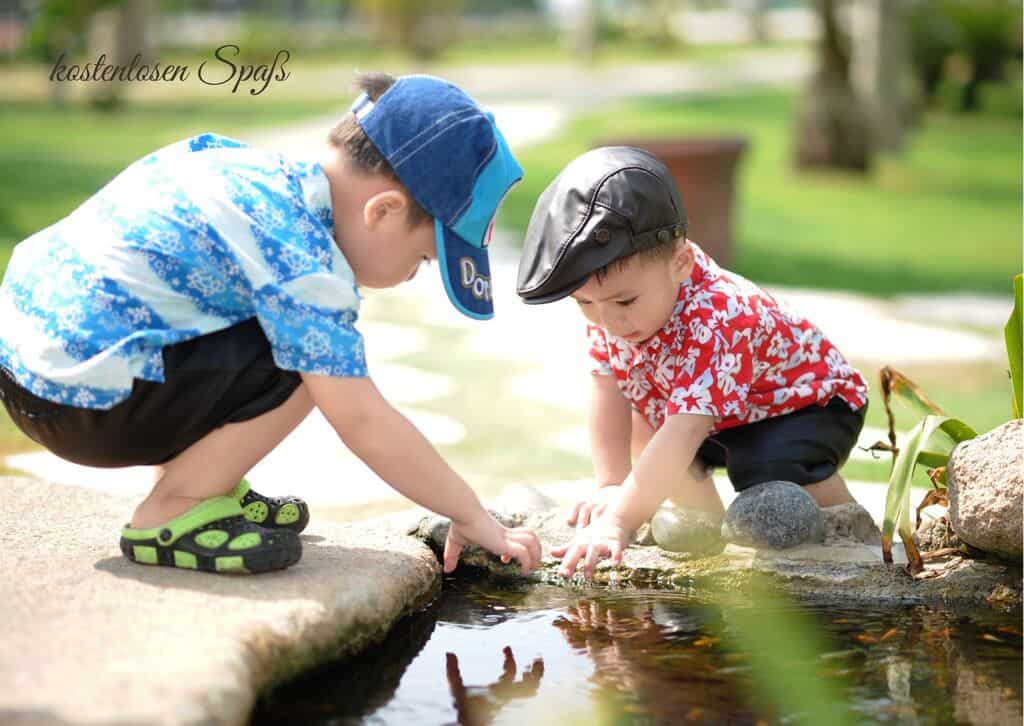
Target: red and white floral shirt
[731,351]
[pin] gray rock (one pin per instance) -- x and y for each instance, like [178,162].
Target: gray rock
[849,571]
[433,529]
[524,500]
[985,486]
[850,523]
[102,640]
[936,534]
[776,515]
[644,536]
[699,534]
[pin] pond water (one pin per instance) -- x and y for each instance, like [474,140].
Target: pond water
[483,653]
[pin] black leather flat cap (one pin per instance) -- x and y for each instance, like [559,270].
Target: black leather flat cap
[605,205]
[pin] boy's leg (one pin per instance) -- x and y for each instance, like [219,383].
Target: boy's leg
[830,492]
[213,465]
[696,489]
[806,447]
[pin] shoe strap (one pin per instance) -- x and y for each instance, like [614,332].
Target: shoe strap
[241,490]
[207,511]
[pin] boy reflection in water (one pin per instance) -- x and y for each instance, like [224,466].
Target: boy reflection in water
[640,668]
[477,705]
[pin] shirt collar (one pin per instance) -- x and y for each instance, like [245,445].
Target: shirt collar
[316,192]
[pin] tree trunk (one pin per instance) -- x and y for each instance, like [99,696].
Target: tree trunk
[881,67]
[833,130]
[129,37]
[584,29]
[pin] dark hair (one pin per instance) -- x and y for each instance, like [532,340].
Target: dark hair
[658,250]
[349,137]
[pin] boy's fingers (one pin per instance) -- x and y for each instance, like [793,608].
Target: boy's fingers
[559,551]
[532,542]
[571,519]
[519,552]
[616,553]
[572,556]
[586,513]
[452,550]
[593,555]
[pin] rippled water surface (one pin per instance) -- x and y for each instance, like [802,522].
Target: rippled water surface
[482,654]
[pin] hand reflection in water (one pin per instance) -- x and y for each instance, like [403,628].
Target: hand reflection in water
[611,639]
[480,704]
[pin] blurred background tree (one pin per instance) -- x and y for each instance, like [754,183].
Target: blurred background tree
[832,128]
[419,28]
[965,42]
[118,29]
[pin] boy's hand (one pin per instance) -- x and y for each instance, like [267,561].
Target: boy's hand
[605,537]
[510,544]
[593,506]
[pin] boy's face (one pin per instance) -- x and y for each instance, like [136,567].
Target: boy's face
[635,301]
[380,246]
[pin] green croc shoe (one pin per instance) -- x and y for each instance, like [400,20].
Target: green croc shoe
[213,536]
[274,512]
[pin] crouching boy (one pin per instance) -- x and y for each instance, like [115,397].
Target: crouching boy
[694,366]
[193,311]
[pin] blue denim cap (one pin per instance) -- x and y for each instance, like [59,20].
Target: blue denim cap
[454,161]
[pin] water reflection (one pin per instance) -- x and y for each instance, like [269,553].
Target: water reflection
[482,655]
[478,705]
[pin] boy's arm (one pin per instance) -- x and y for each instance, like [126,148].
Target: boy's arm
[662,468]
[400,455]
[610,431]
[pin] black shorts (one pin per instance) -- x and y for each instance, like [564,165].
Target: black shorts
[804,447]
[219,378]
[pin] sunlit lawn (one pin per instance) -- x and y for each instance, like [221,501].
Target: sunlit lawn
[944,215]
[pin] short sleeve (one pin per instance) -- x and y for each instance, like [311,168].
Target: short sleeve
[308,336]
[598,350]
[714,371]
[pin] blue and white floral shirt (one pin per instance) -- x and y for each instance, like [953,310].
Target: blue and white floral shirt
[194,238]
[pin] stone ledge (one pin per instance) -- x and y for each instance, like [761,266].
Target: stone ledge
[849,571]
[93,638]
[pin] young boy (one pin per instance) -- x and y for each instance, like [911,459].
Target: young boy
[694,366]
[192,313]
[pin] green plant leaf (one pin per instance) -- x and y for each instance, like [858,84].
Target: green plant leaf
[932,459]
[897,499]
[1015,347]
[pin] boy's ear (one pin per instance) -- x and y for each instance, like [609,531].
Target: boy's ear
[682,260]
[384,205]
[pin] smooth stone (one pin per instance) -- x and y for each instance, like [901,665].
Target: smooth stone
[94,638]
[680,530]
[775,515]
[523,500]
[985,488]
[850,522]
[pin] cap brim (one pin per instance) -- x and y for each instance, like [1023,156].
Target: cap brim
[550,297]
[466,271]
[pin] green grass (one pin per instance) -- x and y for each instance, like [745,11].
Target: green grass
[944,215]
[54,159]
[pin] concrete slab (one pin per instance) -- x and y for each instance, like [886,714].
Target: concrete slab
[93,638]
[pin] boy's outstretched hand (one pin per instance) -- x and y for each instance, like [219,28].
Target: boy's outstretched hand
[510,544]
[605,537]
[593,505]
